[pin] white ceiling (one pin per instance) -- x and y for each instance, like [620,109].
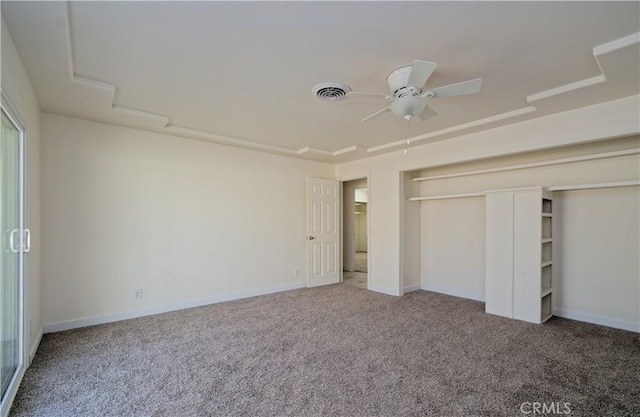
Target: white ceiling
[241,73]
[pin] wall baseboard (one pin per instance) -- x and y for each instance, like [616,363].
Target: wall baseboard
[108,318]
[560,312]
[34,348]
[148,311]
[594,319]
[455,293]
[410,288]
[384,290]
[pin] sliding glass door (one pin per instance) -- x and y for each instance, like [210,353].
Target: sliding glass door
[12,338]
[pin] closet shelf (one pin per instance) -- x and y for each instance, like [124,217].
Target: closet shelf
[532,165]
[443,197]
[554,188]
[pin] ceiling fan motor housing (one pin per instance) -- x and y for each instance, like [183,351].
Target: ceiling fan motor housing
[398,78]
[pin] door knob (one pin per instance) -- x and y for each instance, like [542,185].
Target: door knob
[311,237]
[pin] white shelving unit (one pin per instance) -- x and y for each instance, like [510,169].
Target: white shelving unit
[546,274]
[519,253]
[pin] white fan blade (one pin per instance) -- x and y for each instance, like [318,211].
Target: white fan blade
[420,72]
[359,93]
[427,113]
[458,89]
[375,114]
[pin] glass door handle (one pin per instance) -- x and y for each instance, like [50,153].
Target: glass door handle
[27,240]
[12,244]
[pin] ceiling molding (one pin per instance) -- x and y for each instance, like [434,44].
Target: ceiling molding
[617,44]
[144,114]
[165,120]
[349,149]
[227,140]
[327,155]
[566,88]
[88,82]
[597,52]
[308,149]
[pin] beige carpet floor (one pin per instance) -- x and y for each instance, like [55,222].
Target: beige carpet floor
[355,279]
[332,351]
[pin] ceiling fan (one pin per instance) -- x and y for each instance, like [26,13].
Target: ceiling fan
[408,97]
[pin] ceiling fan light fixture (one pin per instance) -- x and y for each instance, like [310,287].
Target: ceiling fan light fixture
[408,106]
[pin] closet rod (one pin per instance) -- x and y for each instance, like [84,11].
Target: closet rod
[594,185]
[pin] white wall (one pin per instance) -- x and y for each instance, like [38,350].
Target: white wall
[452,247]
[189,222]
[411,236]
[17,88]
[361,219]
[599,270]
[361,228]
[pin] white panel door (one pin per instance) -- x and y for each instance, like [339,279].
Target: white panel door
[323,232]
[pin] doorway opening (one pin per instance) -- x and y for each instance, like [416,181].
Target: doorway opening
[355,233]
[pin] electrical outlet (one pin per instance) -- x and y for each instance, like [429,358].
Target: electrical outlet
[297,272]
[137,294]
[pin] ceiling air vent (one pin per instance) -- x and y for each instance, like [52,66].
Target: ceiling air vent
[331,91]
